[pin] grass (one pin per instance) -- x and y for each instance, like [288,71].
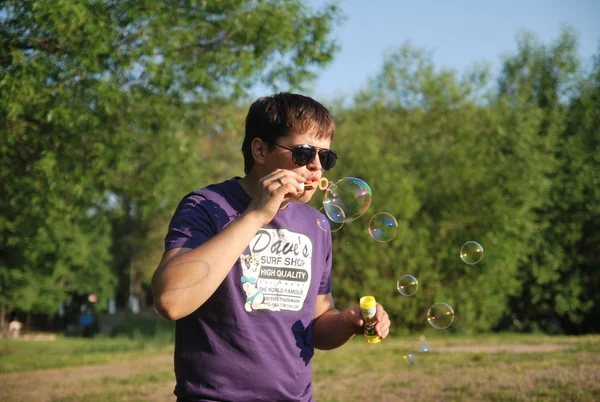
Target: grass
[136,379]
[131,337]
[477,372]
[496,367]
[68,352]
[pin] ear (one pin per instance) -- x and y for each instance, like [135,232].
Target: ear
[259,150]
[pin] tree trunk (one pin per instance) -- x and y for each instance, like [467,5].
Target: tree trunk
[3,325]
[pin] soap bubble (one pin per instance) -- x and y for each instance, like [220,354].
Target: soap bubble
[410,359]
[383,227]
[334,213]
[347,200]
[323,222]
[423,347]
[407,285]
[440,315]
[471,252]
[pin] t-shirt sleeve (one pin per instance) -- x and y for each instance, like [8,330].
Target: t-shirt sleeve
[325,286]
[192,223]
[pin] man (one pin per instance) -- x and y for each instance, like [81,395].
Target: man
[246,271]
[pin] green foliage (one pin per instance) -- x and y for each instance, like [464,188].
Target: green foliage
[560,271]
[454,159]
[103,106]
[111,111]
[450,171]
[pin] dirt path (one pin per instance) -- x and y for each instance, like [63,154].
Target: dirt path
[514,348]
[52,384]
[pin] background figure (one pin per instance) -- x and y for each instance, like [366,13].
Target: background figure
[14,329]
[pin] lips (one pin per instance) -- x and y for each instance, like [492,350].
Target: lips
[311,183]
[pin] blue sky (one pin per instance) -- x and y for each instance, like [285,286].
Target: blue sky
[458,32]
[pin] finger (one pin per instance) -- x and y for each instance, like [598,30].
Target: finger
[293,176]
[382,330]
[382,327]
[354,317]
[380,313]
[383,334]
[286,180]
[283,177]
[287,190]
[384,317]
[268,178]
[358,320]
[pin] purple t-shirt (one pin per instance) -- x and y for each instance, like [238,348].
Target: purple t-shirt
[251,340]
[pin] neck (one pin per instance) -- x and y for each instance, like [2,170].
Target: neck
[250,183]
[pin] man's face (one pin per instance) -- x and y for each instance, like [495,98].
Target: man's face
[281,158]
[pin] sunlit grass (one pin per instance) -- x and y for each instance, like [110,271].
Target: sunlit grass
[497,367]
[66,352]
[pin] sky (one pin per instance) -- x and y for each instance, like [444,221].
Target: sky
[457,32]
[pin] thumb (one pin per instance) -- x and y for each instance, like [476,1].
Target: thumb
[356,316]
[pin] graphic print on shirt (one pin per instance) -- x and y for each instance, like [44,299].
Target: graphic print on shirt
[254,296]
[276,274]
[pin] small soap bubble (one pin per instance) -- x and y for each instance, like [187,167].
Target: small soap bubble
[334,213]
[471,252]
[383,227]
[347,199]
[440,315]
[323,222]
[423,347]
[410,359]
[407,285]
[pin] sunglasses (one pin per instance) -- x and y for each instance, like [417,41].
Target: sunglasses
[304,154]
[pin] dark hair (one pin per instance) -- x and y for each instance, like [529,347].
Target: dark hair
[282,114]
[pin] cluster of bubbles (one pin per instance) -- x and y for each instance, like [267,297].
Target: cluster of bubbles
[347,200]
[440,315]
[412,359]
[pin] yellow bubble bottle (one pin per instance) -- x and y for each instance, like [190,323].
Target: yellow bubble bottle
[368,306]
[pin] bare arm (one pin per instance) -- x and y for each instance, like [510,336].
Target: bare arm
[186,278]
[333,328]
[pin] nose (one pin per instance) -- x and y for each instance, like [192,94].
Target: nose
[315,164]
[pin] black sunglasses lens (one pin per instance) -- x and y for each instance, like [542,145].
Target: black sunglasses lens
[328,157]
[303,155]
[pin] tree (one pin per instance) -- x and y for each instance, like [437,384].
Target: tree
[101,108]
[555,274]
[454,160]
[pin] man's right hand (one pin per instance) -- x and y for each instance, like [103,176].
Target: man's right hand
[273,193]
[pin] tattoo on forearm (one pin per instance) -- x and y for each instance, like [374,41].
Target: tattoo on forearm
[201,270]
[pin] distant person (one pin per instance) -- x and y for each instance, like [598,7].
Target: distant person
[14,329]
[247,270]
[86,320]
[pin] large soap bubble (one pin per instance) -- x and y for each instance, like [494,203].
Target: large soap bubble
[347,199]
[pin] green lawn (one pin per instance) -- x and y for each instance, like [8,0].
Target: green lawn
[68,352]
[499,367]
